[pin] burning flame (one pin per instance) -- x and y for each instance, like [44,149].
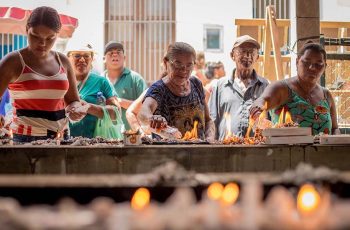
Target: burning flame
[281,118]
[308,199]
[230,194]
[288,118]
[285,119]
[193,134]
[140,199]
[227,117]
[58,136]
[215,191]
[10,134]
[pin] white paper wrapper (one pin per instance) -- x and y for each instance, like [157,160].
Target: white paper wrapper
[82,109]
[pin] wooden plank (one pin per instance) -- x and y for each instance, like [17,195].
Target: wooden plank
[287,131]
[275,42]
[289,140]
[334,24]
[261,22]
[334,139]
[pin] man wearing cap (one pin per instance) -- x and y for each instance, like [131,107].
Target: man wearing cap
[128,84]
[233,96]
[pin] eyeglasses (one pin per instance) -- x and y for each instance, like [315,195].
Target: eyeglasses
[308,64]
[244,51]
[79,56]
[179,66]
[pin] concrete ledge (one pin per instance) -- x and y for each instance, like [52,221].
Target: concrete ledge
[142,159]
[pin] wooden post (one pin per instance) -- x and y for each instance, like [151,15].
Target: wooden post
[272,36]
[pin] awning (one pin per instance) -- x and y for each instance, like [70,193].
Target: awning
[13,20]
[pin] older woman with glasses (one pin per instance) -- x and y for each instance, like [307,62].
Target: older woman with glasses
[309,104]
[177,100]
[89,85]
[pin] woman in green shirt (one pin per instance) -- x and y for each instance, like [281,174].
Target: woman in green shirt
[89,84]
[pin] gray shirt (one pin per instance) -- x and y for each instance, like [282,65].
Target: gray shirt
[227,97]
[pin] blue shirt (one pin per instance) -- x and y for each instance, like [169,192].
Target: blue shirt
[227,97]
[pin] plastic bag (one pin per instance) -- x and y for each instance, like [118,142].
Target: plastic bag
[107,128]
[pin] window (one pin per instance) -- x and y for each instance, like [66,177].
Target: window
[213,38]
[282,8]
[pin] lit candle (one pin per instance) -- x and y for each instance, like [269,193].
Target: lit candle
[140,199]
[308,200]
[58,141]
[230,194]
[10,137]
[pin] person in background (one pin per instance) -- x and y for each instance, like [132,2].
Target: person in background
[310,104]
[213,72]
[177,99]
[234,95]
[41,82]
[128,84]
[89,84]
[199,68]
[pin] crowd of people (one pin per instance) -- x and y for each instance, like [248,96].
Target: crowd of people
[55,94]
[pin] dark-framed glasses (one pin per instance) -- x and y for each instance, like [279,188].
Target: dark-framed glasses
[178,65]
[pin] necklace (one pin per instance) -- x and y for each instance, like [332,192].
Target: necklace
[307,95]
[182,90]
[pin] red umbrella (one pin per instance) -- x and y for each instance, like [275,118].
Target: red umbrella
[13,20]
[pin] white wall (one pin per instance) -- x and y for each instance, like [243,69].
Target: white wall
[90,14]
[335,10]
[191,15]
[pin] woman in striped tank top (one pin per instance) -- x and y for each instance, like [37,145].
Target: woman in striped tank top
[41,82]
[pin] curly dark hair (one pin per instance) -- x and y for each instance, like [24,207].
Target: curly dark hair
[45,16]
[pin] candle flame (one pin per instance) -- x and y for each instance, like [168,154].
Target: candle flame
[227,117]
[140,199]
[308,199]
[250,127]
[288,118]
[193,134]
[58,136]
[281,117]
[10,134]
[215,190]
[230,194]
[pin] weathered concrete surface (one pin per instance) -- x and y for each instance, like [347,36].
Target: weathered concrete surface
[141,159]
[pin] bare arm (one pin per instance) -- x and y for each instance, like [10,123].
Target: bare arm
[147,109]
[10,69]
[209,125]
[333,111]
[97,110]
[133,110]
[274,95]
[124,103]
[72,94]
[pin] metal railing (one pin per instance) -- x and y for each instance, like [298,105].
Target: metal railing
[145,27]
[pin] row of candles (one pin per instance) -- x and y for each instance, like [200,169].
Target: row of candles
[219,208]
[227,206]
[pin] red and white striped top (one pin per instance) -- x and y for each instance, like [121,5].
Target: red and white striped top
[38,101]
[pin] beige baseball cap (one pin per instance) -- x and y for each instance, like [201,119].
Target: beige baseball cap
[245,39]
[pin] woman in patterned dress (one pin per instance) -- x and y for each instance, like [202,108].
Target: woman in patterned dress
[310,104]
[177,100]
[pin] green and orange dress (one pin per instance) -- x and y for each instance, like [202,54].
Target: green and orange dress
[318,116]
